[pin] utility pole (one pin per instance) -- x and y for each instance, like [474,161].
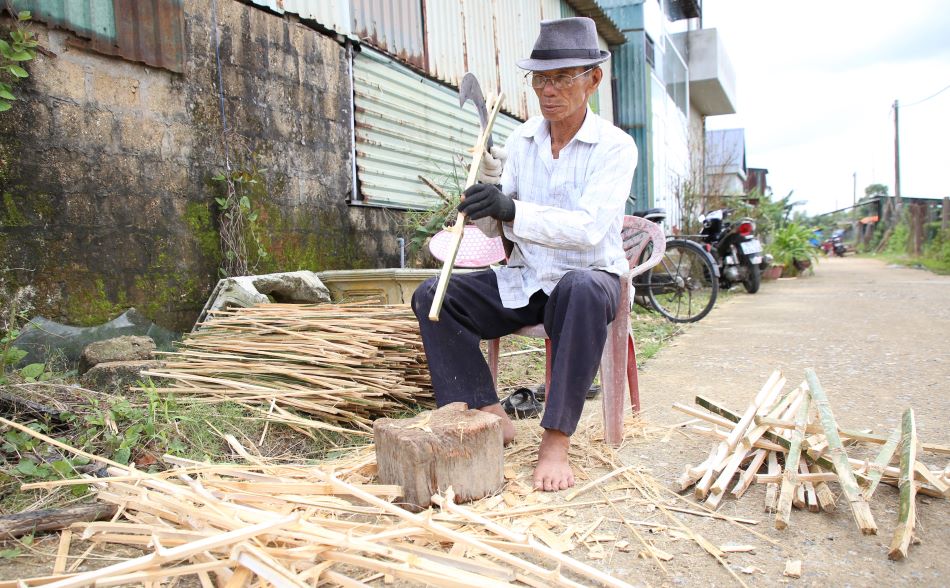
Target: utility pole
[854,188]
[854,197]
[897,158]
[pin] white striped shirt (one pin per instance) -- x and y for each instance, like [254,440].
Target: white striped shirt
[568,211]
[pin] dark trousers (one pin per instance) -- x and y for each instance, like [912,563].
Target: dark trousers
[575,317]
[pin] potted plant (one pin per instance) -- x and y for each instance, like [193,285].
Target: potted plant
[773,272]
[791,249]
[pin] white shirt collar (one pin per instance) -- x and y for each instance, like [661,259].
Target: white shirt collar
[589,132]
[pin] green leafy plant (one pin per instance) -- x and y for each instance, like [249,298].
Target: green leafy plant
[791,247]
[14,307]
[20,48]
[242,178]
[37,461]
[421,225]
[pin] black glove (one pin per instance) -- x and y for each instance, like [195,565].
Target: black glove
[483,200]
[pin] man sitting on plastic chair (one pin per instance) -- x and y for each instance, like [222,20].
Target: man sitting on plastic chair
[560,203]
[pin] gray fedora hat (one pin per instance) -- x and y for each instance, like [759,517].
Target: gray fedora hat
[565,42]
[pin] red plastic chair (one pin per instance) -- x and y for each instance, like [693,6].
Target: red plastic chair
[618,364]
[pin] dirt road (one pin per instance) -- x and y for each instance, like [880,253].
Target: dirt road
[879,339]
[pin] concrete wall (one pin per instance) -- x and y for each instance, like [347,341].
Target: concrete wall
[105,168]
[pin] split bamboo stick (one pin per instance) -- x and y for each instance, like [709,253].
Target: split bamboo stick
[859,506]
[750,473]
[458,229]
[771,491]
[809,487]
[880,462]
[790,477]
[907,513]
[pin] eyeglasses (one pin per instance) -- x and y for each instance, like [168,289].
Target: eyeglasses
[560,81]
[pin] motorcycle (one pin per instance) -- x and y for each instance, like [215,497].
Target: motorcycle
[835,245]
[736,249]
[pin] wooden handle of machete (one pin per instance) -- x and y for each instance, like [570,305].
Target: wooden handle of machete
[459,228]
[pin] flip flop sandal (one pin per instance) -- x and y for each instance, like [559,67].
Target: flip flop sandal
[521,404]
[592,393]
[539,393]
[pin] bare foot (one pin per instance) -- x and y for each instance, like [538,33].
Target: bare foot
[554,471]
[507,427]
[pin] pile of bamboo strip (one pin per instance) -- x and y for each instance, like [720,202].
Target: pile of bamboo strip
[343,364]
[328,524]
[781,426]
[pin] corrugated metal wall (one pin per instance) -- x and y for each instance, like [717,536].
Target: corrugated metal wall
[150,31]
[406,126]
[394,26]
[485,37]
[467,35]
[521,24]
[333,15]
[632,109]
[86,17]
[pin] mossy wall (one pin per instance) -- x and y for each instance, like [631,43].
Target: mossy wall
[105,168]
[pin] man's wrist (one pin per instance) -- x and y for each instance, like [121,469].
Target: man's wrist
[506,211]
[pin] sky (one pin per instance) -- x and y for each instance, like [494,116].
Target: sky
[816,81]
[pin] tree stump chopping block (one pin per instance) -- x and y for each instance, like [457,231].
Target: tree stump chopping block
[449,446]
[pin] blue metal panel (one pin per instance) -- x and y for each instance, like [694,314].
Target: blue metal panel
[88,18]
[627,14]
[632,110]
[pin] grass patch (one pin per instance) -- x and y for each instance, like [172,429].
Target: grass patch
[651,333]
[937,266]
[138,428]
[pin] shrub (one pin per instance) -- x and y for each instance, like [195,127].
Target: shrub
[791,244]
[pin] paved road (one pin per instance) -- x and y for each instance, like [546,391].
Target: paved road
[879,340]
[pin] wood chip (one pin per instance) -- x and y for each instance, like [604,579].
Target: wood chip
[793,568]
[737,548]
[657,553]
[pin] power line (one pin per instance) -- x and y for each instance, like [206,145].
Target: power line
[926,99]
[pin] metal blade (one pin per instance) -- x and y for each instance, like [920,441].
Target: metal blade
[470,89]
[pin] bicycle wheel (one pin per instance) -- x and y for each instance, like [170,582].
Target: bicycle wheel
[683,287]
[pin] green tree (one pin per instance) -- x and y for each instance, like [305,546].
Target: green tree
[875,190]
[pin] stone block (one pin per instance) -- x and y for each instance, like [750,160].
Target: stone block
[83,128]
[117,349]
[60,77]
[115,91]
[291,287]
[163,93]
[116,376]
[139,134]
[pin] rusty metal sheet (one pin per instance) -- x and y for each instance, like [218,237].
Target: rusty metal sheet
[519,23]
[151,31]
[393,26]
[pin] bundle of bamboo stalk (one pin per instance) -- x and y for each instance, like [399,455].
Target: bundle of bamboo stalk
[343,364]
[779,426]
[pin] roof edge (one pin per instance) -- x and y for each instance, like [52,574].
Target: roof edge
[606,27]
